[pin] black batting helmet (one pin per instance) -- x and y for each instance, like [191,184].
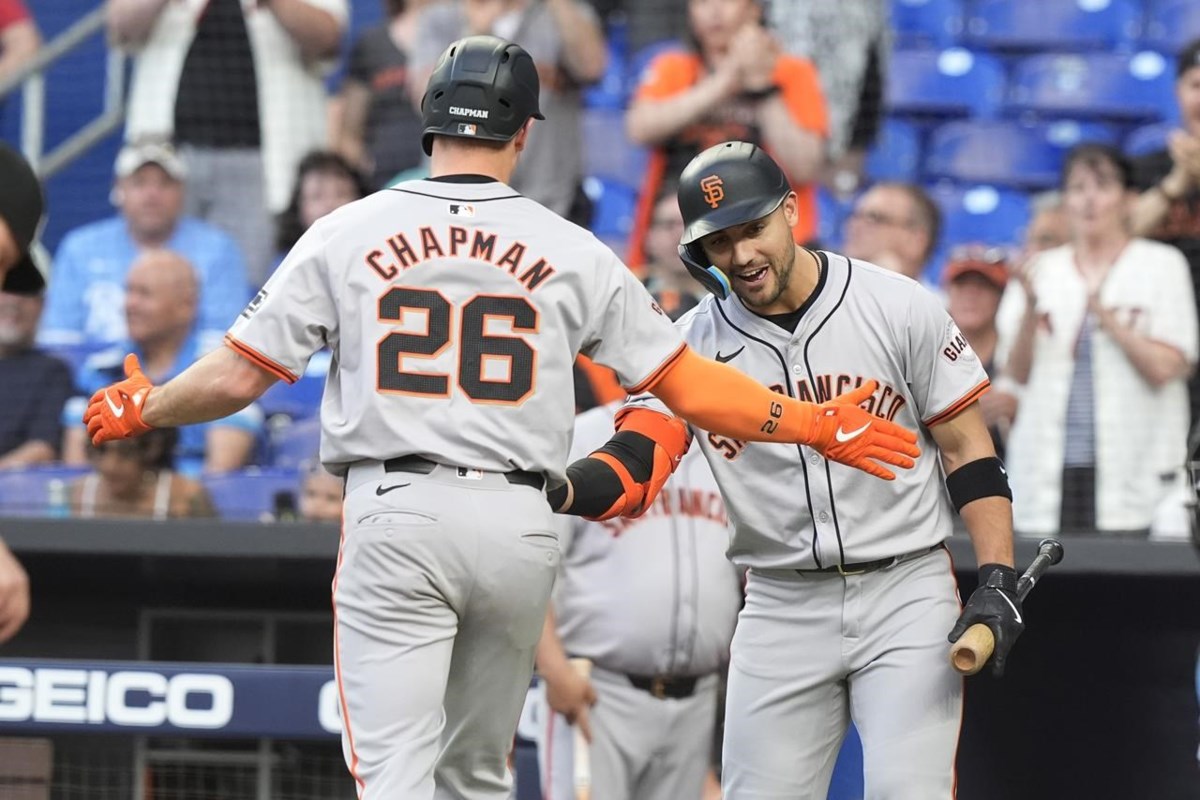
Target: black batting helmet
[482,87]
[726,185]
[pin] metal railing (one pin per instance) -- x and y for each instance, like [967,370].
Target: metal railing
[32,81]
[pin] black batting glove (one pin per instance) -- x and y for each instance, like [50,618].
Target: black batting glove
[995,604]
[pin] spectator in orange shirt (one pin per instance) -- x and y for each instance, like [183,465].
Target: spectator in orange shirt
[734,84]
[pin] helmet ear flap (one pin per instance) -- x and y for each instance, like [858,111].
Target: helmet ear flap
[709,276]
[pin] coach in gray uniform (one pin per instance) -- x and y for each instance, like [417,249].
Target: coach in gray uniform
[651,602]
[850,592]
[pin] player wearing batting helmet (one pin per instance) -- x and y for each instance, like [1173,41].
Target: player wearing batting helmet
[850,596]
[455,308]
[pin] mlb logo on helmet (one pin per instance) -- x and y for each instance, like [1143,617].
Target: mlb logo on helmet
[466,129]
[714,191]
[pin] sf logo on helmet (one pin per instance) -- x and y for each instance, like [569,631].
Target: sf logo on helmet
[713,188]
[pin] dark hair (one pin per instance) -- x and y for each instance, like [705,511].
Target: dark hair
[394,8]
[155,448]
[288,226]
[1092,155]
[1189,57]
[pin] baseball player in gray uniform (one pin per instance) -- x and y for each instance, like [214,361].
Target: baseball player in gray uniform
[651,602]
[851,597]
[454,309]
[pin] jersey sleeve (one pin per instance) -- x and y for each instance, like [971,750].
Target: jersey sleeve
[293,316]
[667,75]
[1173,319]
[801,90]
[944,374]
[630,334]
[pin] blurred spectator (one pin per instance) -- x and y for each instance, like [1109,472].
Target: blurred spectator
[1169,207]
[36,386]
[734,84]
[1047,226]
[566,42]
[134,478]
[19,38]
[849,42]
[1101,340]
[22,213]
[895,225]
[237,84]
[650,22]
[974,282]
[86,297]
[324,181]
[321,495]
[666,277]
[380,126]
[160,310]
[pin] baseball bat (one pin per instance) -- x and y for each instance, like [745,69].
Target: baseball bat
[973,649]
[583,762]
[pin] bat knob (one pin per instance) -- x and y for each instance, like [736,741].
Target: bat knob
[1052,548]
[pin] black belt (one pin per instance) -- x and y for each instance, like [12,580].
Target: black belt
[862,567]
[423,466]
[663,686]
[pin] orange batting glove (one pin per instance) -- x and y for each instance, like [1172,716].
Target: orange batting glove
[844,432]
[671,437]
[116,411]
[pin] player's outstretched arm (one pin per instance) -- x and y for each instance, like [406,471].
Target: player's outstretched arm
[720,399]
[217,385]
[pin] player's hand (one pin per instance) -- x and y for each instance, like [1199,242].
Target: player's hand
[571,695]
[849,434]
[671,437]
[116,411]
[995,604]
[14,594]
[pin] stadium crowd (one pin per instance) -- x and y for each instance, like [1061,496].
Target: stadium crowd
[248,122]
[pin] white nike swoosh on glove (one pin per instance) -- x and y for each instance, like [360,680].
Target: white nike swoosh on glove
[1016,613]
[842,436]
[117,410]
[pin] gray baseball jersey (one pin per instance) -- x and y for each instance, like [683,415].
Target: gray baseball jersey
[653,595]
[648,596]
[862,322]
[458,304]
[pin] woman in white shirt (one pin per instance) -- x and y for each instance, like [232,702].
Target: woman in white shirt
[1101,335]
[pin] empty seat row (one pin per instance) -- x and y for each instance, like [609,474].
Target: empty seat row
[1031,25]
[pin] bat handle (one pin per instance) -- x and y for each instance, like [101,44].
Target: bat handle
[582,760]
[973,649]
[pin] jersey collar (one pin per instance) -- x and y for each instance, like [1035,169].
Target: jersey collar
[464,177]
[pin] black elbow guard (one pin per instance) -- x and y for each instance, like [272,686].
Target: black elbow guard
[984,477]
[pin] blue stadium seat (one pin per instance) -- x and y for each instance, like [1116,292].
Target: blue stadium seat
[302,399]
[26,493]
[831,217]
[615,204]
[1007,153]
[612,90]
[1032,25]
[295,444]
[607,151]
[945,83]
[917,22]
[1148,138]
[896,155]
[1093,86]
[1171,24]
[983,213]
[249,494]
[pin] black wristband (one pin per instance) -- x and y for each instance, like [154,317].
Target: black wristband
[635,451]
[758,95]
[998,576]
[596,487]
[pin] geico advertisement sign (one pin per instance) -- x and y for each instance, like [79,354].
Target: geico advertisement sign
[134,698]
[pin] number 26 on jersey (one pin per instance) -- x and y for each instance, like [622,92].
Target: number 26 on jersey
[492,367]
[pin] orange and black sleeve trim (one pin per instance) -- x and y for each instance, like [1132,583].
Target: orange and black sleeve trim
[959,405]
[654,376]
[259,360]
